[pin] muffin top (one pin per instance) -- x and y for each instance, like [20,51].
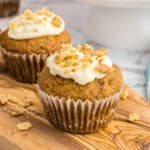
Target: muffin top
[80,73]
[35,24]
[35,32]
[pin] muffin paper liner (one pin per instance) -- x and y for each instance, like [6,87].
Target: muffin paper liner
[8,7]
[78,116]
[24,67]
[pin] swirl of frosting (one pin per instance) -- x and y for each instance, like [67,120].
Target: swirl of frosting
[81,64]
[35,24]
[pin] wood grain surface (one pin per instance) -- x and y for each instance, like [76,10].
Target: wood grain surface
[119,135]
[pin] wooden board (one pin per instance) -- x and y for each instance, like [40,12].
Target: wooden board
[119,135]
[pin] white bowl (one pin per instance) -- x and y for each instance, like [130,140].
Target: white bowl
[121,25]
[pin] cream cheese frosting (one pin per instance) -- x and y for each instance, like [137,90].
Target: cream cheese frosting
[35,24]
[81,64]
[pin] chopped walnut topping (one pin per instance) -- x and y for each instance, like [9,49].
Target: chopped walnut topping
[64,57]
[125,95]
[56,21]
[101,52]
[134,117]
[69,56]
[44,11]
[102,68]
[86,49]
[86,61]
[23,126]
[29,14]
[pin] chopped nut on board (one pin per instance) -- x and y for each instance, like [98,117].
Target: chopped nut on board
[3,99]
[23,126]
[12,98]
[125,95]
[134,117]
[27,102]
[17,111]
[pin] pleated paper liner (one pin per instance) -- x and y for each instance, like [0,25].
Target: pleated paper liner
[78,116]
[9,7]
[24,67]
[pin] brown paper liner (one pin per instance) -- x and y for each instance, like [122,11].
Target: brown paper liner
[78,116]
[24,67]
[8,7]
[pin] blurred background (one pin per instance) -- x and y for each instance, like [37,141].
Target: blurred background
[121,26]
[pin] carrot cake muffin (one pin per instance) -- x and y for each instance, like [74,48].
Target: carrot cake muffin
[8,7]
[30,38]
[79,88]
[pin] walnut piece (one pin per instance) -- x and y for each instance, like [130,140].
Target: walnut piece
[56,21]
[86,49]
[12,98]
[86,61]
[17,111]
[3,99]
[23,126]
[101,52]
[44,11]
[133,117]
[29,14]
[102,68]
[83,55]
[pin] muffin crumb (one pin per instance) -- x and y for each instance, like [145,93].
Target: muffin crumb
[23,126]
[133,117]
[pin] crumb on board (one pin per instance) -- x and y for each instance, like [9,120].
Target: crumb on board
[125,95]
[27,102]
[23,126]
[133,117]
[12,98]
[17,111]
[32,109]
[3,99]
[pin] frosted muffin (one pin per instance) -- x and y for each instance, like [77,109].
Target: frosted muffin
[8,7]
[79,88]
[30,38]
